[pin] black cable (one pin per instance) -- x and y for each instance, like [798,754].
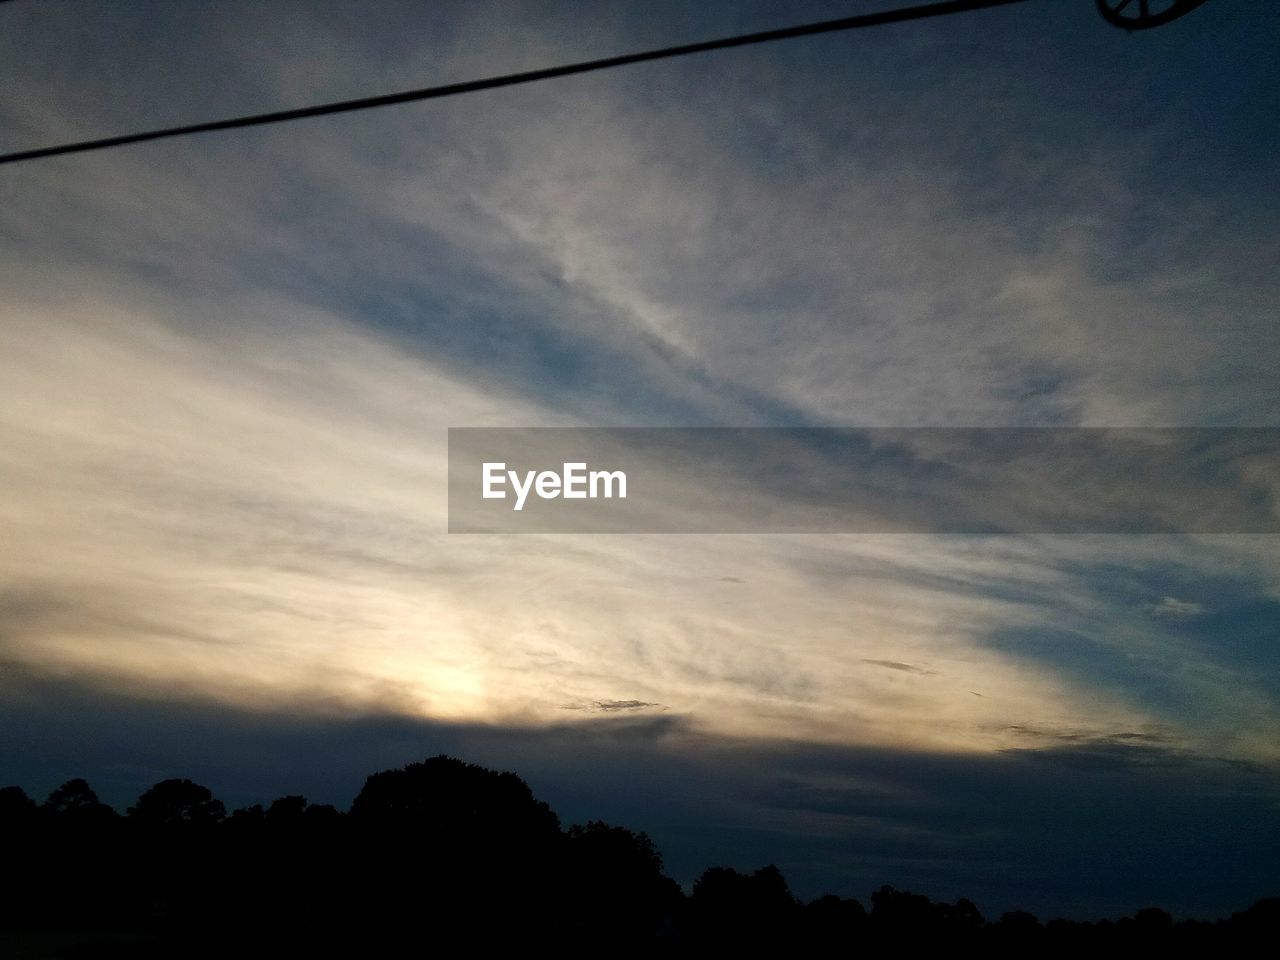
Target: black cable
[470,86]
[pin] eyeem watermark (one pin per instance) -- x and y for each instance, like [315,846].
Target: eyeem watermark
[574,482]
[930,480]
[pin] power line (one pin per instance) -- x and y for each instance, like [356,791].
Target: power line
[900,15]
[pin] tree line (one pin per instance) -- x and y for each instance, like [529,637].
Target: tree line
[447,852]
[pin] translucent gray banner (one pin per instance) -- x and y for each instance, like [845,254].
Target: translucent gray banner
[874,480]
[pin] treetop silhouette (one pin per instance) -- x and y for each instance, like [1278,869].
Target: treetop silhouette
[445,845]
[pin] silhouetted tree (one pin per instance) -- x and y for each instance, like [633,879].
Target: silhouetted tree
[615,882]
[900,910]
[900,914]
[736,908]
[467,837]
[172,802]
[287,809]
[1018,930]
[833,923]
[70,847]
[76,798]
[1019,920]
[248,815]
[180,863]
[322,813]
[1244,931]
[1153,919]
[455,798]
[441,850]
[961,916]
[15,807]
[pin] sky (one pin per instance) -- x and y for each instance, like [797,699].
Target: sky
[228,364]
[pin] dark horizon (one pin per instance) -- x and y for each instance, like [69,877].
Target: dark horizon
[443,849]
[1081,830]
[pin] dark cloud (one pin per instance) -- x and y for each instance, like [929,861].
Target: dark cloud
[1110,751]
[896,665]
[1066,735]
[613,706]
[610,706]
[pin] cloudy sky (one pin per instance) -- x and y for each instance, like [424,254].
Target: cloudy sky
[228,364]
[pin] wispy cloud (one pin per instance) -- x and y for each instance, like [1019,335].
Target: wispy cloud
[1172,608]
